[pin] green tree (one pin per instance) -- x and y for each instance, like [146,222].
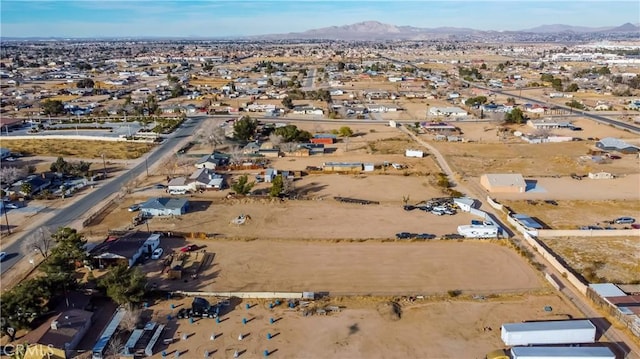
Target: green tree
[26,188]
[341,66]
[67,253]
[511,101]
[572,88]
[245,128]
[53,107]
[345,131]
[515,116]
[546,78]
[291,133]
[124,285]
[85,83]
[277,186]
[59,166]
[242,186]
[287,102]
[556,84]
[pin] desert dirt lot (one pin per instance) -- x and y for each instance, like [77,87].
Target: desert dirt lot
[612,259]
[320,218]
[357,268]
[78,148]
[363,329]
[571,214]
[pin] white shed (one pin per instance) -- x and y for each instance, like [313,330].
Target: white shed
[600,175]
[414,153]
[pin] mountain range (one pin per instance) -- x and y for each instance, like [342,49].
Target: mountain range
[375,30]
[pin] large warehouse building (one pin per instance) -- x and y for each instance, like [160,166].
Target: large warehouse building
[503,183]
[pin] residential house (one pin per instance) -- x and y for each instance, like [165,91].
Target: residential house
[447,111]
[60,335]
[127,249]
[164,206]
[324,138]
[437,126]
[205,178]
[180,184]
[549,124]
[614,144]
[213,161]
[38,183]
[306,110]
[251,148]
[270,174]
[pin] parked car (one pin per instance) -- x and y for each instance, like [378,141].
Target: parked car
[453,236]
[189,248]
[133,208]
[183,313]
[551,202]
[3,255]
[405,235]
[437,212]
[11,205]
[425,236]
[625,220]
[177,192]
[159,186]
[409,207]
[157,253]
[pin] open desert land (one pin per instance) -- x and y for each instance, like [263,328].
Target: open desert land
[78,148]
[572,214]
[600,259]
[354,268]
[547,159]
[321,218]
[369,328]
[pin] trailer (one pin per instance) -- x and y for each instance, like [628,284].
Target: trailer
[562,353]
[478,231]
[549,332]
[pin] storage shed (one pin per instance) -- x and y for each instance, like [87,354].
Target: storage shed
[503,183]
[414,153]
[562,352]
[548,332]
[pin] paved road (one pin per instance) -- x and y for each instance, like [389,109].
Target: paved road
[66,215]
[309,80]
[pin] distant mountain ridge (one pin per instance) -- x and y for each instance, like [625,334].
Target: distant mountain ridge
[375,30]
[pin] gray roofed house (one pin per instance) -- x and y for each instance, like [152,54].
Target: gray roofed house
[213,160]
[206,178]
[614,144]
[164,206]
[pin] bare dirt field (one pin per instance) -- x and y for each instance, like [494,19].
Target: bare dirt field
[610,259]
[362,329]
[78,148]
[365,268]
[571,214]
[294,219]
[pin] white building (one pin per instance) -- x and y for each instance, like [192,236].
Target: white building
[447,111]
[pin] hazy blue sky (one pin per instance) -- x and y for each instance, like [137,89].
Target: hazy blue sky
[98,18]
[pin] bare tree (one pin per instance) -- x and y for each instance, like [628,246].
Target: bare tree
[9,175]
[170,165]
[275,140]
[289,147]
[236,154]
[40,242]
[185,164]
[131,318]
[542,132]
[212,134]
[115,347]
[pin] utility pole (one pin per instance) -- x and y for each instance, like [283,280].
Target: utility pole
[104,163]
[6,218]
